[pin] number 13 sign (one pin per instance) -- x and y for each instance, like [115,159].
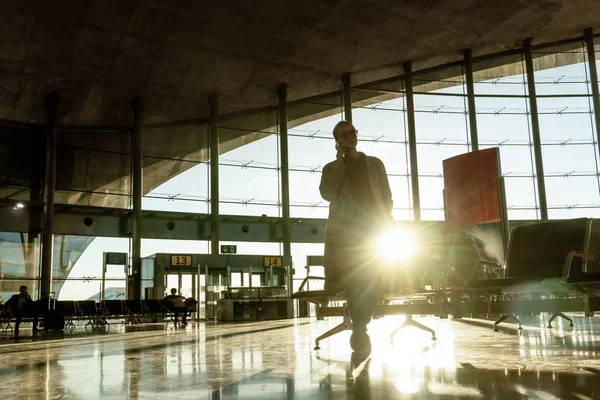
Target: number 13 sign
[181,260]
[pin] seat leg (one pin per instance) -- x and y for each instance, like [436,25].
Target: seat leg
[559,314]
[505,317]
[345,325]
[409,321]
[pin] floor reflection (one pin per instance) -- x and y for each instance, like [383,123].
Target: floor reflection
[275,360]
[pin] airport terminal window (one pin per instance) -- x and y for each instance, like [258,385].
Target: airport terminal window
[147,281]
[441,123]
[19,263]
[500,75]
[299,253]
[252,248]
[77,267]
[249,181]
[177,179]
[94,175]
[561,69]
[597,54]
[87,185]
[155,246]
[521,202]
[311,147]
[567,131]
[22,155]
[78,263]
[381,121]
[503,121]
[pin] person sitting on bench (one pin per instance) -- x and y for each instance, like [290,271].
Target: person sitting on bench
[176,304]
[21,306]
[360,209]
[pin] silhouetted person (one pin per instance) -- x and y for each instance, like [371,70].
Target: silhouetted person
[360,209]
[21,306]
[176,303]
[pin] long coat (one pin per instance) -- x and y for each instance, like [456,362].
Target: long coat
[342,239]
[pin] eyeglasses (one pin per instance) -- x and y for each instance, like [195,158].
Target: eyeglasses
[348,134]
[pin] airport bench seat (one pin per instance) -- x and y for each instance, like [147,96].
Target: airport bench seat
[322,297]
[319,296]
[72,310]
[545,257]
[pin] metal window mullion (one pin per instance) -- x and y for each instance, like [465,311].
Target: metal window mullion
[535,130]
[412,140]
[471,99]
[591,56]
[285,182]
[347,97]
[213,133]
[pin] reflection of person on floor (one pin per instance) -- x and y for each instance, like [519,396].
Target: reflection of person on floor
[176,304]
[357,188]
[21,306]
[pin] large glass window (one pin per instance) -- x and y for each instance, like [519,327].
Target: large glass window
[94,168]
[77,268]
[21,163]
[249,165]
[380,118]
[176,173]
[19,263]
[311,147]
[567,131]
[442,131]
[503,121]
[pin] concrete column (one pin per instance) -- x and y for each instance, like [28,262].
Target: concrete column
[213,132]
[347,98]
[412,140]
[38,156]
[589,41]
[285,179]
[137,105]
[471,99]
[51,103]
[535,130]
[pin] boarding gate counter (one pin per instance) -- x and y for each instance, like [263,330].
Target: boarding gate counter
[228,287]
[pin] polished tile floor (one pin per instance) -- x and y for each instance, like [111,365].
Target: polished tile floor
[276,360]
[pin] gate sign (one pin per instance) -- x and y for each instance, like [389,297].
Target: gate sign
[272,262]
[228,249]
[181,260]
[116,258]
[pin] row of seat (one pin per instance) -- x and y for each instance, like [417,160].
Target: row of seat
[550,267]
[96,313]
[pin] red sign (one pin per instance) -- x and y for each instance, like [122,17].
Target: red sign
[472,188]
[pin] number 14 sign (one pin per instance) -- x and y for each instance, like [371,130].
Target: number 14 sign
[272,261]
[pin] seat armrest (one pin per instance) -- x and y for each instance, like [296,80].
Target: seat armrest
[586,256]
[569,261]
[489,263]
[488,266]
[309,278]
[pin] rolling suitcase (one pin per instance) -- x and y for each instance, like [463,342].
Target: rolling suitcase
[53,320]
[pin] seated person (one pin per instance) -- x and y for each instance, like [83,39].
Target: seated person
[21,306]
[176,303]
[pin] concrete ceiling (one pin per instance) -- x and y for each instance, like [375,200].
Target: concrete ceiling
[100,54]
